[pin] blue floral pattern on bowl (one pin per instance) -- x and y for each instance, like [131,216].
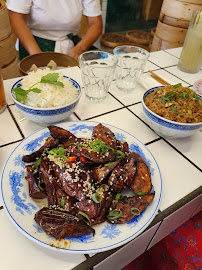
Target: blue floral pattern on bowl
[21,208]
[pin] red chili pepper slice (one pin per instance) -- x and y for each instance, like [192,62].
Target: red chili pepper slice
[70,159]
[82,159]
[83,148]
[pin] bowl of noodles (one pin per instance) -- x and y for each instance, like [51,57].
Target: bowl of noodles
[173,111]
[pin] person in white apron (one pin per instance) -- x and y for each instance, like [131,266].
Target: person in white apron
[53,25]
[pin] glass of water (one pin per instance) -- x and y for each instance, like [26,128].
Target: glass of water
[131,63]
[97,72]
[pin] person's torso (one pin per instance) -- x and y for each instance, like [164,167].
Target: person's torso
[55,19]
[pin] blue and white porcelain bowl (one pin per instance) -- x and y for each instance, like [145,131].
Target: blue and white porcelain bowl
[47,116]
[164,127]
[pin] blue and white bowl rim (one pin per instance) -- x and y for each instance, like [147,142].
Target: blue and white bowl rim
[47,109]
[149,91]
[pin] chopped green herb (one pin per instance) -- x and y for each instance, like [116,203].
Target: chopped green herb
[114,214]
[140,193]
[100,147]
[104,185]
[79,146]
[96,198]
[59,152]
[174,110]
[62,202]
[108,164]
[177,85]
[21,94]
[196,97]
[51,78]
[37,163]
[118,196]
[39,185]
[137,211]
[84,217]
[119,155]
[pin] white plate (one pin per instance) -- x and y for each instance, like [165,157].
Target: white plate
[21,208]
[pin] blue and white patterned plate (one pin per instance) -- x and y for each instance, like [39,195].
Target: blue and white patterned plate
[21,208]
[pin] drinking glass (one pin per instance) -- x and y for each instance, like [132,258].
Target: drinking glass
[191,56]
[131,63]
[97,72]
[2,95]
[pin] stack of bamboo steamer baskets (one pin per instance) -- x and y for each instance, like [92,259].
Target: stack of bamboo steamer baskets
[8,56]
[173,23]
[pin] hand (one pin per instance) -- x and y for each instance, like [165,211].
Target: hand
[75,52]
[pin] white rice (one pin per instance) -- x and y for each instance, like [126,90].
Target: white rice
[51,95]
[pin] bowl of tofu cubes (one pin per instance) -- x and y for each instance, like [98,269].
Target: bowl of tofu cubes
[52,60]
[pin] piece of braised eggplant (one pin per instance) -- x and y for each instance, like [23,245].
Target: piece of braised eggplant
[50,143]
[61,134]
[127,208]
[55,194]
[61,224]
[142,182]
[32,178]
[75,178]
[101,172]
[104,134]
[122,146]
[123,175]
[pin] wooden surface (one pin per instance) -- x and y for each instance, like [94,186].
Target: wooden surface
[113,40]
[139,37]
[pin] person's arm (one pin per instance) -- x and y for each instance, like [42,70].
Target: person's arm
[19,26]
[92,34]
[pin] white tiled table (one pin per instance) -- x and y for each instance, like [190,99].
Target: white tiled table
[180,162]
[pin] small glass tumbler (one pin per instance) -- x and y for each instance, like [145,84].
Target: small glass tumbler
[97,72]
[2,95]
[191,56]
[131,63]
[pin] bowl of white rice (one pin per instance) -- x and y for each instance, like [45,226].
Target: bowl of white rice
[46,97]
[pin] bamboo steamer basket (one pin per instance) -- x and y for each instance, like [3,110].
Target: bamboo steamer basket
[139,37]
[5,28]
[11,71]
[112,40]
[7,51]
[160,44]
[178,12]
[171,33]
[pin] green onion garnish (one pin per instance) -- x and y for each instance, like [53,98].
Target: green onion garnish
[62,202]
[37,163]
[100,147]
[39,186]
[174,110]
[137,213]
[140,193]
[108,164]
[118,196]
[104,185]
[96,198]
[177,85]
[116,213]
[84,217]
[79,146]
[119,155]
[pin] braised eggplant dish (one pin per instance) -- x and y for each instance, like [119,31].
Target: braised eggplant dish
[83,180]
